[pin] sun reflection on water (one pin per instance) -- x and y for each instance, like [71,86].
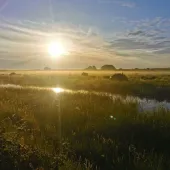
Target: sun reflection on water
[58,90]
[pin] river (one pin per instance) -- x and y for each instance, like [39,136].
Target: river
[144,103]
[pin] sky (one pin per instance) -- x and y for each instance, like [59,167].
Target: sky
[125,33]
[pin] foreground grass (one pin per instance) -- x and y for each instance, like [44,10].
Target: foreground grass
[93,132]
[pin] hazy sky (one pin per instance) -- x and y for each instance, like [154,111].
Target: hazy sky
[125,33]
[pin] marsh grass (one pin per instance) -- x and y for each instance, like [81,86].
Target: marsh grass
[143,84]
[96,132]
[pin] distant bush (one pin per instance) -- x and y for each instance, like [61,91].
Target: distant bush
[119,77]
[91,68]
[108,67]
[84,74]
[47,68]
[13,73]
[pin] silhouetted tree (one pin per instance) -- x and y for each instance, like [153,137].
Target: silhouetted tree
[108,67]
[47,68]
[91,68]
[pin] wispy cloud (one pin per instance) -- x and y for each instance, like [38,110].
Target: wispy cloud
[28,41]
[128,4]
[144,43]
[149,36]
[122,3]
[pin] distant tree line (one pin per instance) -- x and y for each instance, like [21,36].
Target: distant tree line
[93,68]
[104,67]
[112,67]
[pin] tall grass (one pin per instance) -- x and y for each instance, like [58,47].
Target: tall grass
[96,132]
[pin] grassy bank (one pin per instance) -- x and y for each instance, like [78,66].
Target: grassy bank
[95,132]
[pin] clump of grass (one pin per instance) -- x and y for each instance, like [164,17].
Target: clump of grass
[119,77]
[148,77]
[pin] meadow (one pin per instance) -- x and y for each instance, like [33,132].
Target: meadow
[43,130]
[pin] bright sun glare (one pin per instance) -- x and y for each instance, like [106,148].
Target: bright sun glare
[56,49]
[58,90]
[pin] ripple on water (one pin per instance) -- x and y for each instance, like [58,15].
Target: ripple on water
[10,86]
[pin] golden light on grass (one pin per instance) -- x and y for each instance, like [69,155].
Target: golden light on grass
[56,49]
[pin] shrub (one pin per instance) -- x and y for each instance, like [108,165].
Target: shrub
[47,68]
[84,74]
[119,77]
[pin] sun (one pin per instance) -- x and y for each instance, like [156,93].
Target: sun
[56,49]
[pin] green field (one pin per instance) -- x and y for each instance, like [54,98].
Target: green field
[43,130]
